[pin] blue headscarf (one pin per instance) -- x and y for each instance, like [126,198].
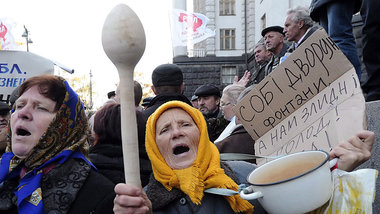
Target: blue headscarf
[65,138]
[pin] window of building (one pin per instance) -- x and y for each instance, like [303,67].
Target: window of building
[227,74]
[227,39]
[226,7]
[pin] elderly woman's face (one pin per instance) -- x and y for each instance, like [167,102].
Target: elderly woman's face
[226,107]
[31,118]
[177,138]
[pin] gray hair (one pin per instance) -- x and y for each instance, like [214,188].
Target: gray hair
[232,92]
[260,44]
[301,14]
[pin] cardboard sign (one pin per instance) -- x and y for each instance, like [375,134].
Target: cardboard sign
[16,67]
[333,115]
[311,101]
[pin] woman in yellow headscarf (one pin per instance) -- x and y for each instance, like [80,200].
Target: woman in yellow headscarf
[185,164]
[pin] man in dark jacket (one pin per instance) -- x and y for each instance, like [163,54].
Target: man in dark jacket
[262,56]
[208,100]
[208,104]
[168,85]
[275,43]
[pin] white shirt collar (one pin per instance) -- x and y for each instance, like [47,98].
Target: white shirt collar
[299,41]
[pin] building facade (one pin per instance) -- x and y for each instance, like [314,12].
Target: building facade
[238,25]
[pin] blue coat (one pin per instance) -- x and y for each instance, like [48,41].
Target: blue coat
[318,7]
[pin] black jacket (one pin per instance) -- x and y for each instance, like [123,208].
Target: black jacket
[96,196]
[108,159]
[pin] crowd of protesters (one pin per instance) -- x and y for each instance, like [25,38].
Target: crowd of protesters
[55,160]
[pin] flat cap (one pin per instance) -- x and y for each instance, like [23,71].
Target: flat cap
[273,28]
[4,108]
[194,97]
[167,75]
[207,90]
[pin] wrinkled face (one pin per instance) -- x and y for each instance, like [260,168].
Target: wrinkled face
[292,29]
[226,107]
[261,54]
[32,116]
[273,40]
[208,105]
[4,118]
[177,138]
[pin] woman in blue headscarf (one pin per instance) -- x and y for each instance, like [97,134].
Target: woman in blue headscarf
[45,168]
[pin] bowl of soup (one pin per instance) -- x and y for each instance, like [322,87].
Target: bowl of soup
[295,183]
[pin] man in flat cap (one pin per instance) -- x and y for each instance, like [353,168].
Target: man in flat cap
[168,85]
[4,119]
[208,104]
[208,100]
[274,42]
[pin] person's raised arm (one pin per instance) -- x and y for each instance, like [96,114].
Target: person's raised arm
[130,199]
[354,151]
[244,79]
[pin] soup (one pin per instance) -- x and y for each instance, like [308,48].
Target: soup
[286,169]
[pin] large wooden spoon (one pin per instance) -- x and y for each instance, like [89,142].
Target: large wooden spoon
[123,41]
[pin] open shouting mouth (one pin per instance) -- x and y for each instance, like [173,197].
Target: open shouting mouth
[22,132]
[180,149]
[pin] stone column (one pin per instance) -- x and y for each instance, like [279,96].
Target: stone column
[179,50]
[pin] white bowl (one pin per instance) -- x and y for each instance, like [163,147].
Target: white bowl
[296,183]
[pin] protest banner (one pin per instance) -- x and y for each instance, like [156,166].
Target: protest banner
[312,100]
[189,28]
[17,66]
[7,41]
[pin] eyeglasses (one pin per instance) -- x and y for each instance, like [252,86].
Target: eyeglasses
[224,104]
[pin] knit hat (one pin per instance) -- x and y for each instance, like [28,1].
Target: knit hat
[167,75]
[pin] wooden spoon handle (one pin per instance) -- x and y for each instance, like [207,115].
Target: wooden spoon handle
[129,133]
[123,40]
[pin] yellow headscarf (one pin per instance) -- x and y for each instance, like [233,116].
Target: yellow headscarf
[204,173]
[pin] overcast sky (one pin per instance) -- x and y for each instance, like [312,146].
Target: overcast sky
[70,32]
